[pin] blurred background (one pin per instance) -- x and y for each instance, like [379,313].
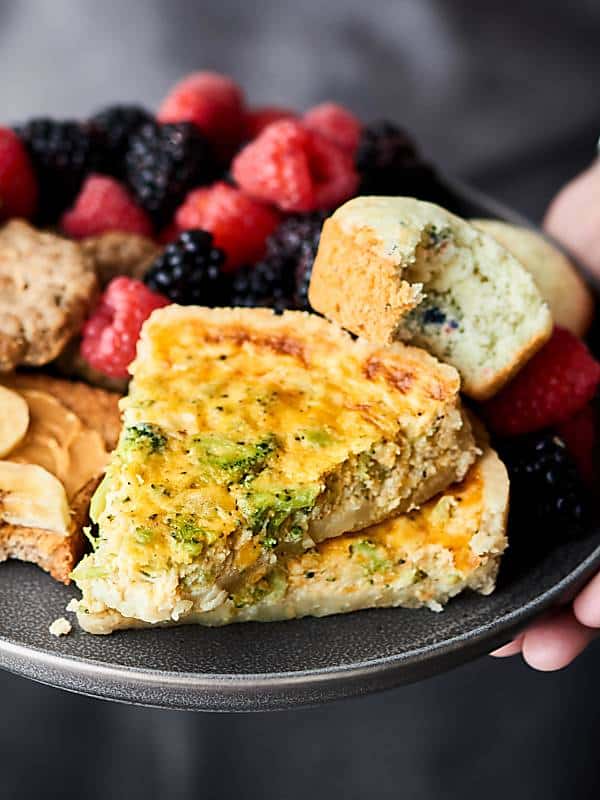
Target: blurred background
[503,94]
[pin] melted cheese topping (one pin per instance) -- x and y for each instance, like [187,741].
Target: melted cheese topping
[449,521]
[232,424]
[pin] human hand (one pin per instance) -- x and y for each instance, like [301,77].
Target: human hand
[551,643]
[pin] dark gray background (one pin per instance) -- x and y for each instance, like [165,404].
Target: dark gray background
[503,93]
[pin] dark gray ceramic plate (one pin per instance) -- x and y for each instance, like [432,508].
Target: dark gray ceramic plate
[256,667]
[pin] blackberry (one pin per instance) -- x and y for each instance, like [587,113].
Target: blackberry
[546,489]
[281,279]
[62,154]
[267,285]
[291,252]
[389,163]
[118,124]
[308,230]
[189,271]
[163,163]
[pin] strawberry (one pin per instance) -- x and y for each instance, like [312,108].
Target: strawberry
[168,234]
[555,384]
[18,185]
[579,435]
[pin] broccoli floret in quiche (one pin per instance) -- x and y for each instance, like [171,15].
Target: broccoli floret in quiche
[371,555]
[280,514]
[237,458]
[145,436]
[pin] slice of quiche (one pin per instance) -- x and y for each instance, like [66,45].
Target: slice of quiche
[423,558]
[249,435]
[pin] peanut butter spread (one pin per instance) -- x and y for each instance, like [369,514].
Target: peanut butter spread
[56,456]
[58,441]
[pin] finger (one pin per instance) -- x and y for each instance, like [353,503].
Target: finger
[553,643]
[510,649]
[587,604]
[574,215]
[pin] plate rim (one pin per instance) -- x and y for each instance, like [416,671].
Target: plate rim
[481,633]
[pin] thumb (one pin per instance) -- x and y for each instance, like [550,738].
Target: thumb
[573,217]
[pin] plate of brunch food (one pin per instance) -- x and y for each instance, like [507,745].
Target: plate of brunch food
[285,415]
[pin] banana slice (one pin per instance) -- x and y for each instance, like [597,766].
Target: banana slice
[52,430]
[32,497]
[14,420]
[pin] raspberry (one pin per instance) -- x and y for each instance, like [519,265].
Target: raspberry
[18,186]
[556,383]
[239,224]
[118,124]
[163,163]
[274,167]
[295,169]
[189,271]
[579,433]
[212,102]
[62,154]
[110,335]
[104,205]
[335,179]
[257,119]
[335,123]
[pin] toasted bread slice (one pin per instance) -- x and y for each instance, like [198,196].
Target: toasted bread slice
[396,268]
[248,434]
[454,542]
[98,411]
[562,287]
